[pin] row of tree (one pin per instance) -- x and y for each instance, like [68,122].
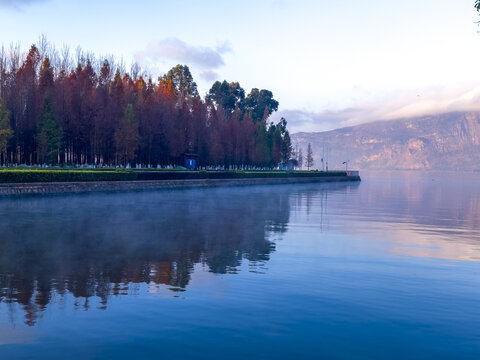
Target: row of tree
[52,112]
[297,157]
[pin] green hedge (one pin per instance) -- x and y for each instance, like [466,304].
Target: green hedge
[181,175]
[29,176]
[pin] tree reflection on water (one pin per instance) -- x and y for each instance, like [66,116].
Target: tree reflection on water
[102,245]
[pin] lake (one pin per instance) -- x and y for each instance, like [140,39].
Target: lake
[383,269]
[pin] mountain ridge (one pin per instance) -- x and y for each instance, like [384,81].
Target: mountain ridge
[447,141]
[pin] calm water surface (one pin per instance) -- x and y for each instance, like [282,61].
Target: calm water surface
[385,269]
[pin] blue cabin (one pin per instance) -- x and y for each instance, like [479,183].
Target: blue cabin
[190,161]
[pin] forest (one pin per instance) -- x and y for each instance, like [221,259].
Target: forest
[61,109]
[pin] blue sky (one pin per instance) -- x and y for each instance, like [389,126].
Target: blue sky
[329,63]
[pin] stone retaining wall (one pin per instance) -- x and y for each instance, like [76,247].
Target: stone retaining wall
[82,187]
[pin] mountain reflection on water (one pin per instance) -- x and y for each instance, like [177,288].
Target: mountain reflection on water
[101,245]
[422,214]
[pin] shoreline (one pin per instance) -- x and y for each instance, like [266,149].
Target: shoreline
[44,188]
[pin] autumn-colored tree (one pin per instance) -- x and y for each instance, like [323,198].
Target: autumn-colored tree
[246,140]
[107,116]
[25,111]
[215,150]
[104,126]
[146,107]
[45,80]
[182,80]
[114,112]
[126,136]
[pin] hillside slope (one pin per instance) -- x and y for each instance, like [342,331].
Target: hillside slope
[447,141]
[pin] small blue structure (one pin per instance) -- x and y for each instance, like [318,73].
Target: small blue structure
[289,166]
[190,161]
[191,164]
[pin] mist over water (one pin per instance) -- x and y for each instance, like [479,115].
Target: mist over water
[387,268]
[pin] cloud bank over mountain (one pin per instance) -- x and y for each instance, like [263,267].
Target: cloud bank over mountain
[409,104]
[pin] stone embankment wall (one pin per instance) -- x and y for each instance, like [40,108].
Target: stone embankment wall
[82,187]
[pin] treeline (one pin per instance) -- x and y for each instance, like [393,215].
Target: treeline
[93,112]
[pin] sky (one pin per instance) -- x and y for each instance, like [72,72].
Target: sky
[329,63]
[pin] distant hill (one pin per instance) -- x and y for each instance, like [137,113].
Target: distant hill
[446,141]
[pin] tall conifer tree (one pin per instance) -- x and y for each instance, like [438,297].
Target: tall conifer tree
[309,157]
[6,131]
[126,136]
[49,134]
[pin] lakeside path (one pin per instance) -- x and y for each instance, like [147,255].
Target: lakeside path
[8,189]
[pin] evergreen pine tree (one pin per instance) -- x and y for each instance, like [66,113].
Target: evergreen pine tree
[6,132]
[309,157]
[300,159]
[287,148]
[49,134]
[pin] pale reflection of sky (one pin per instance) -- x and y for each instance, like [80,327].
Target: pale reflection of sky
[21,335]
[433,215]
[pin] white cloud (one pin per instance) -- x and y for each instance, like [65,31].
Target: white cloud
[209,75]
[203,57]
[409,104]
